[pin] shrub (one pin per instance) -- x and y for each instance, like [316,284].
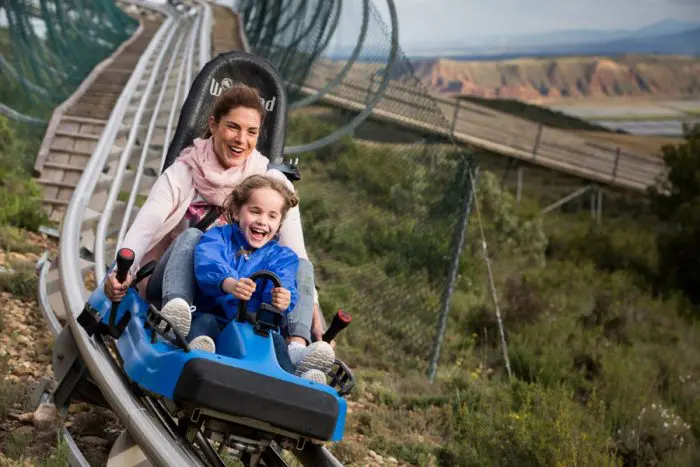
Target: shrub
[20,197]
[676,201]
[525,425]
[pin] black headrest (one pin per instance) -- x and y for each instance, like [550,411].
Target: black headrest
[216,76]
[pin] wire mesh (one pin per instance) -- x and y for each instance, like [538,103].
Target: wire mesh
[381,196]
[47,48]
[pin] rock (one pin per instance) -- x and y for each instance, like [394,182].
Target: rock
[94,440]
[45,416]
[392,460]
[24,417]
[26,430]
[25,369]
[23,340]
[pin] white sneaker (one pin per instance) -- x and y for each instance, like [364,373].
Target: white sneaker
[203,343]
[315,375]
[317,356]
[177,311]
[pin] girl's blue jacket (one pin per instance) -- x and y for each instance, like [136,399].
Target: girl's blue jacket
[221,254]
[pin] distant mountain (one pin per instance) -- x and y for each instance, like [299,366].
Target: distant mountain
[540,78]
[662,28]
[681,43]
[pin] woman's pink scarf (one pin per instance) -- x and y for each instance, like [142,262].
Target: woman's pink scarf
[210,179]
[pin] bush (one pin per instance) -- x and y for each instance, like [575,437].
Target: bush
[590,345]
[525,425]
[20,196]
[676,201]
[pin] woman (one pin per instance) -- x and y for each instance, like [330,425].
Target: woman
[200,179]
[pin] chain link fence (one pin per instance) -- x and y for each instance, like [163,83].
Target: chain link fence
[47,48]
[385,193]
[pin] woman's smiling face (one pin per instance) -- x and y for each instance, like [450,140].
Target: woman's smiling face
[235,135]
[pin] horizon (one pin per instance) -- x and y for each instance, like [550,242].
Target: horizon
[464,23]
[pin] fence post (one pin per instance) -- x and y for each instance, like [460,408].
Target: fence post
[536,146]
[454,117]
[457,247]
[617,161]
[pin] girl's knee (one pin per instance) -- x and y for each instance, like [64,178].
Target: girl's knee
[305,270]
[191,234]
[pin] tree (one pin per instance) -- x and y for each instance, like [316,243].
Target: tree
[676,202]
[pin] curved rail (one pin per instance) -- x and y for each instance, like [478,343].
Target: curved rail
[308,100]
[369,108]
[126,148]
[143,426]
[251,9]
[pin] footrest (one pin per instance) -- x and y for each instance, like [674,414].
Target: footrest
[342,378]
[153,321]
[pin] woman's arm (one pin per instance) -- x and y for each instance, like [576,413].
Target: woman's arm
[150,218]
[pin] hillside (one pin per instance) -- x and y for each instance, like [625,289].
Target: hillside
[603,370]
[528,79]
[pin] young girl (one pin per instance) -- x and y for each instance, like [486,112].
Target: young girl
[226,256]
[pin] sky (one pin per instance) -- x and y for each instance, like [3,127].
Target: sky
[427,22]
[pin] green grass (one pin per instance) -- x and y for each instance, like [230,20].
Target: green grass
[20,196]
[124,196]
[594,351]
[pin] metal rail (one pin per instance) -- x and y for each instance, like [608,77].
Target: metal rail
[150,435]
[308,100]
[370,105]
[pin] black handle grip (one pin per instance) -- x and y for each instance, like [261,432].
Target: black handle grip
[125,258]
[340,322]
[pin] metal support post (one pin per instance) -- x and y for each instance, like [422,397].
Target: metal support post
[454,117]
[536,146]
[616,163]
[519,188]
[565,199]
[457,247]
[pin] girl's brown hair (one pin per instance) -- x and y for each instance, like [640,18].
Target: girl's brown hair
[241,194]
[238,95]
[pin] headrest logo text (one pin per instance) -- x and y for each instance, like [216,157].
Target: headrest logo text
[216,89]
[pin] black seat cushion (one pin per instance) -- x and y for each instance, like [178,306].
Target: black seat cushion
[235,391]
[216,76]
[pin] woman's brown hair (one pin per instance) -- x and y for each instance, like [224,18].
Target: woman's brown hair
[241,194]
[238,95]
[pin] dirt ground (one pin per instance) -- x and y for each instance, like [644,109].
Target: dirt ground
[28,431]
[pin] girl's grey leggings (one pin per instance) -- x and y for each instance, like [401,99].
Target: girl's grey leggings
[174,278]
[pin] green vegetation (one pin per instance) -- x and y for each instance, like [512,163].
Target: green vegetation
[604,368]
[537,114]
[677,203]
[20,197]
[20,203]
